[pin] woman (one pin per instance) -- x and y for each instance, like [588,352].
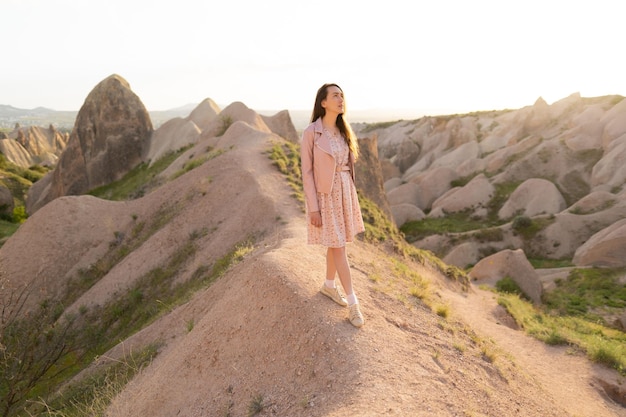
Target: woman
[328,152]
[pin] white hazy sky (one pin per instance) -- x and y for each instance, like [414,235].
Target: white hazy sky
[434,56]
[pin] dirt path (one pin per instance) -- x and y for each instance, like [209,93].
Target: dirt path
[571,379]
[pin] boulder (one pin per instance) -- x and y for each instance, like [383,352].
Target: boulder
[469,167]
[610,171]
[392,183]
[463,255]
[457,156]
[605,248]
[434,183]
[110,137]
[512,264]
[475,194]
[172,135]
[501,158]
[409,193]
[593,202]
[281,124]
[204,114]
[533,197]
[403,213]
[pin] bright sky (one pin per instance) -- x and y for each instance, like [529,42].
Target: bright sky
[433,56]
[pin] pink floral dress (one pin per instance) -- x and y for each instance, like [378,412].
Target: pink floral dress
[340,210]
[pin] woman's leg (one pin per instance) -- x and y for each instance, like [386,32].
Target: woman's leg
[329,288]
[343,269]
[331,269]
[338,258]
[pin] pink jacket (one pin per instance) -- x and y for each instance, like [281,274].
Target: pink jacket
[318,164]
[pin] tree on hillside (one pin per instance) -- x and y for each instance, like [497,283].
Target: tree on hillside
[32,346]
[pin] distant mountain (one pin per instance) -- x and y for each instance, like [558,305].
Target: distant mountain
[7,111]
[64,120]
[39,116]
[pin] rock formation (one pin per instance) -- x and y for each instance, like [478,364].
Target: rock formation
[282,125]
[172,135]
[369,176]
[512,264]
[559,165]
[533,197]
[33,145]
[110,137]
[605,248]
[513,145]
[204,114]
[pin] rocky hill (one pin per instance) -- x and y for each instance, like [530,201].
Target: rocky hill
[206,270]
[546,179]
[33,145]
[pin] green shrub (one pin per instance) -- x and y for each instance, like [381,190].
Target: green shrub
[509,286]
[226,122]
[521,223]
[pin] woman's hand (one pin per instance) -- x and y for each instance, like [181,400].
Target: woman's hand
[316,218]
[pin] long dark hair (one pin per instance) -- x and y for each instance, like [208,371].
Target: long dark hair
[344,127]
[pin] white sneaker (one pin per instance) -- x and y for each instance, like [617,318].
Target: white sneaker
[333,294]
[356,318]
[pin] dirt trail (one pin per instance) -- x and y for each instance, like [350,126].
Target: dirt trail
[571,379]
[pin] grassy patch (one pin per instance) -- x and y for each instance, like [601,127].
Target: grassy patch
[541,263]
[119,247]
[378,227]
[31,174]
[509,286]
[502,193]
[443,311]
[419,287]
[18,181]
[7,229]
[155,293]
[196,162]
[601,344]
[451,223]
[528,228]
[588,293]
[92,395]
[137,182]
[225,122]
[461,182]
[286,157]
[490,234]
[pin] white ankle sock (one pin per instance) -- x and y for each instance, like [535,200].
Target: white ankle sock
[330,283]
[351,298]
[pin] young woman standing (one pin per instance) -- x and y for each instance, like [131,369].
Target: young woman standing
[329,150]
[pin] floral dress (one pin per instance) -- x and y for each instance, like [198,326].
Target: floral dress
[340,210]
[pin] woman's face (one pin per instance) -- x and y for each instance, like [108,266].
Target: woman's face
[334,102]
